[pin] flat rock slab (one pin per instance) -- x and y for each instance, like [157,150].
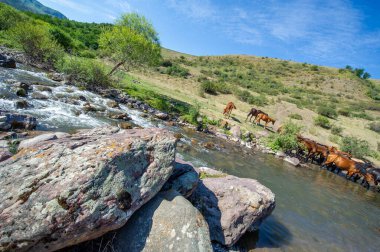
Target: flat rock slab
[231,205]
[166,223]
[65,191]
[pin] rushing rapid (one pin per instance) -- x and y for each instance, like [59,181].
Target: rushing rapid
[315,210]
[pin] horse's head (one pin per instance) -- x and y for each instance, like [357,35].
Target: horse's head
[332,149]
[273,121]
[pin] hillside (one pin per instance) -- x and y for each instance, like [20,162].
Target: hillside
[34,6]
[284,89]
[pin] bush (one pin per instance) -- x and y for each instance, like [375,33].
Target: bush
[363,115]
[344,112]
[85,72]
[166,63]
[37,43]
[357,147]
[62,39]
[296,116]
[179,71]
[327,111]
[375,126]
[246,96]
[192,115]
[9,17]
[322,122]
[287,139]
[208,87]
[336,130]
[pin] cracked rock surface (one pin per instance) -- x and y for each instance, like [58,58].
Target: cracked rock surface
[64,191]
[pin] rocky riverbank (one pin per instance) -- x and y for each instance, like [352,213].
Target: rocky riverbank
[62,190]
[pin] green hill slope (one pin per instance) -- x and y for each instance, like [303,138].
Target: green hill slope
[33,6]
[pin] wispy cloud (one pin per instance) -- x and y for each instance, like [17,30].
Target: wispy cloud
[320,29]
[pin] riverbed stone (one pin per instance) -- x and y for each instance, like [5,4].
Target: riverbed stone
[21,104]
[236,132]
[231,205]
[166,223]
[292,160]
[7,62]
[39,96]
[18,121]
[65,191]
[162,116]
[183,180]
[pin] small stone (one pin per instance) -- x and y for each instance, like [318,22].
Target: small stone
[125,125]
[113,104]
[162,116]
[39,96]
[21,92]
[21,104]
[292,160]
[209,145]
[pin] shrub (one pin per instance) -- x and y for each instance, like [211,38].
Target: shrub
[287,139]
[327,111]
[179,71]
[357,147]
[166,63]
[296,116]
[375,126]
[344,112]
[322,122]
[363,115]
[37,43]
[223,88]
[208,87]
[9,17]
[85,72]
[91,54]
[62,38]
[192,115]
[336,130]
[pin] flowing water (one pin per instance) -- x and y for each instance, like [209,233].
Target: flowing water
[316,210]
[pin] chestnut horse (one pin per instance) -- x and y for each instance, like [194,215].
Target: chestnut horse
[228,109]
[254,113]
[313,148]
[265,118]
[344,163]
[335,150]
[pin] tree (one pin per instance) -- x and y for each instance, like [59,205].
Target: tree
[366,76]
[132,41]
[359,72]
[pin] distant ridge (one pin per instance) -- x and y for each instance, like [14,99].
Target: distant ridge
[33,6]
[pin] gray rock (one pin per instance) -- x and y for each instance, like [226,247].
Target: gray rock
[113,104]
[39,96]
[21,104]
[183,180]
[19,121]
[5,154]
[236,132]
[65,191]
[292,160]
[231,205]
[162,116]
[5,126]
[7,62]
[27,143]
[280,154]
[166,223]
[3,118]
[21,92]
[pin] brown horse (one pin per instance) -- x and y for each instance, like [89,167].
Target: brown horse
[228,109]
[313,148]
[343,163]
[371,175]
[265,118]
[335,150]
[254,113]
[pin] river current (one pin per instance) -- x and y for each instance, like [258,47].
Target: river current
[316,210]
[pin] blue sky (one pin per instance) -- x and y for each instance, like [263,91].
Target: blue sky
[323,32]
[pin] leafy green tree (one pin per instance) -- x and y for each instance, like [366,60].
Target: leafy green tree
[359,72]
[37,42]
[9,17]
[366,76]
[132,41]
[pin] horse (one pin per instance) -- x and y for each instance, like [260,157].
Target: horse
[265,118]
[335,150]
[313,148]
[344,163]
[371,175]
[254,113]
[228,109]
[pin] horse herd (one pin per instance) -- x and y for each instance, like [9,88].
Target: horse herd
[328,156]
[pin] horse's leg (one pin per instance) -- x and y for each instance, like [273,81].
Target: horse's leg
[265,126]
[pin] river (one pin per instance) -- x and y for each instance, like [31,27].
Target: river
[316,210]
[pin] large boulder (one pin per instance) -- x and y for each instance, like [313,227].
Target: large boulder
[27,143]
[183,180]
[65,191]
[18,121]
[236,132]
[231,205]
[166,223]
